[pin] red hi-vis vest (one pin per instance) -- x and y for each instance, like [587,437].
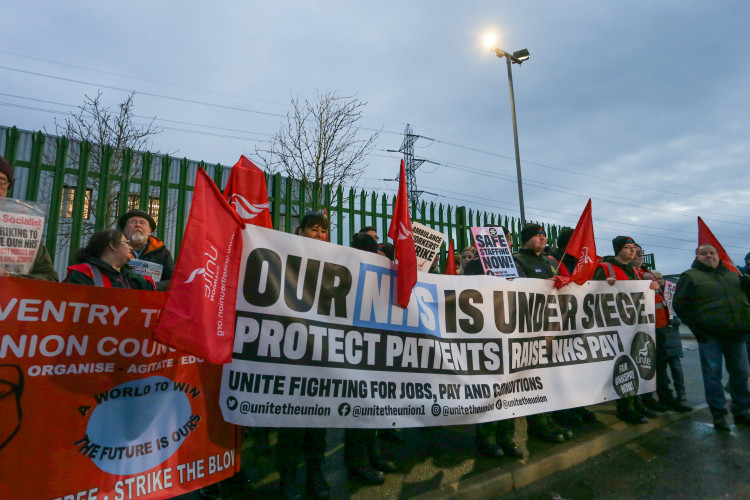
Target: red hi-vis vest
[662,311]
[615,272]
[94,273]
[101,279]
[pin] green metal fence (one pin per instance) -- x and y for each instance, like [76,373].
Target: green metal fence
[50,161]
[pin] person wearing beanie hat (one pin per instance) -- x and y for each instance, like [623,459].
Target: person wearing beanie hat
[362,454]
[532,263]
[629,409]
[42,267]
[564,262]
[746,270]
[138,226]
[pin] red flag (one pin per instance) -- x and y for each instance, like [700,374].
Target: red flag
[450,266]
[198,315]
[246,192]
[400,231]
[583,246]
[706,237]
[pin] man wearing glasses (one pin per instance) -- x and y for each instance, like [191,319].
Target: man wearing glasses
[138,226]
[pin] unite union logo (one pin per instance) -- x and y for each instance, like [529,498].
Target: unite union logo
[246,210]
[403,232]
[195,273]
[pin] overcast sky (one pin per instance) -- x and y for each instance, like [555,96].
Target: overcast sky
[640,105]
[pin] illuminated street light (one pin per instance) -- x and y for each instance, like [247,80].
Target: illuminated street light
[517,57]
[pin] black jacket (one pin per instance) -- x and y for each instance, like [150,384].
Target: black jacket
[713,302]
[80,274]
[531,265]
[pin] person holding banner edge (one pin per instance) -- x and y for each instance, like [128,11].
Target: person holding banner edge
[493,439]
[629,409]
[310,441]
[531,262]
[361,447]
[42,267]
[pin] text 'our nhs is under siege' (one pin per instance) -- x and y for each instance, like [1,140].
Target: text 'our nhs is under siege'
[443,330]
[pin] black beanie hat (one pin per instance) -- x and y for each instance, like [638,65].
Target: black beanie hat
[530,230]
[5,169]
[136,213]
[363,241]
[621,241]
[564,237]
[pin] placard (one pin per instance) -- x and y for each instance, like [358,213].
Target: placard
[494,252]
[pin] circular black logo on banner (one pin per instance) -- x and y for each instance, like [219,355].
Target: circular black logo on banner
[625,377]
[643,352]
[492,231]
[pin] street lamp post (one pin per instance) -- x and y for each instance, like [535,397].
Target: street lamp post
[517,57]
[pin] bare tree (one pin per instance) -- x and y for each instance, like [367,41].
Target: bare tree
[320,142]
[100,125]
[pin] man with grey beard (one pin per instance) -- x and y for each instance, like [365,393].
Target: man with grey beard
[138,226]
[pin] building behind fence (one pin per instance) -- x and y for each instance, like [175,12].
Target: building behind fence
[72,178]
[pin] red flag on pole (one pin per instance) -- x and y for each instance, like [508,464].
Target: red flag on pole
[583,246]
[450,266]
[400,231]
[706,237]
[246,192]
[198,315]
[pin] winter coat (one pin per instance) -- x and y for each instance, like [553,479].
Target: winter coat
[622,271]
[42,267]
[531,265]
[86,274]
[713,302]
[157,253]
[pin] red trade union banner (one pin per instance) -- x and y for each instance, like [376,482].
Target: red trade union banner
[92,407]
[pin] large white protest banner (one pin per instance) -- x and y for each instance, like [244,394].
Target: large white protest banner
[320,343]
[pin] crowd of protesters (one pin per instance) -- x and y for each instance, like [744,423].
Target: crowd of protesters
[710,299]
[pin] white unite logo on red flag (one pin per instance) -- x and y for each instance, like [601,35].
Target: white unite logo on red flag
[403,232]
[583,259]
[246,210]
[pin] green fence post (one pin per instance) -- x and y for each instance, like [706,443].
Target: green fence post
[35,166]
[13,137]
[102,196]
[79,200]
[275,201]
[218,174]
[461,227]
[288,203]
[146,163]
[161,229]
[352,212]
[340,213]
[362,210]
[386,221]
[327,205]
[58,179]
[181,204]
[126,174]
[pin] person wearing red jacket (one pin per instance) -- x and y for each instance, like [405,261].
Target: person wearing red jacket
[629,409]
